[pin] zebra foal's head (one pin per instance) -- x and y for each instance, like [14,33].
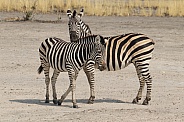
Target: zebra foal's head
[99,53]
[77,28]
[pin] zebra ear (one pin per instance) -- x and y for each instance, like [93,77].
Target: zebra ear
[74,13]
[81,13]
[102,40]
[69,13]
[105,40]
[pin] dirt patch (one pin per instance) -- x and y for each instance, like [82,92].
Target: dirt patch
[22,90]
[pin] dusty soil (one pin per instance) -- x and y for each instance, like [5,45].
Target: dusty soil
[22,90]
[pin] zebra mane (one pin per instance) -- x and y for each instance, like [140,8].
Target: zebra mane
[85,40]
[122,35]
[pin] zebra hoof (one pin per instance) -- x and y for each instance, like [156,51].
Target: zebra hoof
[90,102]
[75,106]
[47,101]
[55,101]
[135,101]
[145,102]
[59,103]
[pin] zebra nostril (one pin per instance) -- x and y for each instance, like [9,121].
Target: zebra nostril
[73,36]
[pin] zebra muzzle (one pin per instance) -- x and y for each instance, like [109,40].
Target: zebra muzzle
[73,36]
[102,66]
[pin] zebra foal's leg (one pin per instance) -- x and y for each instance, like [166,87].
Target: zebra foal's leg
[53,81]
[89,70]
[72,87]
[74,90]
[144,77]
[47,82]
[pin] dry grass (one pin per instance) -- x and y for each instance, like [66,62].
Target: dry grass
[100,7]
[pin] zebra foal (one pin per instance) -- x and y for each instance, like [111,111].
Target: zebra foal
[68,57]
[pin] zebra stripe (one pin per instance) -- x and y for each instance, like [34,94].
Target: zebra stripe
[125,49]
[68,57]
[131,48]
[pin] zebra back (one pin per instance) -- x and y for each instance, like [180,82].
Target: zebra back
[58,53]
[127,48]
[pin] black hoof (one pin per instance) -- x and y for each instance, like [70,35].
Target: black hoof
[75,106]
[145,102]
[59,103]
[47,101]
[55,101]
[90,102]
[135,101]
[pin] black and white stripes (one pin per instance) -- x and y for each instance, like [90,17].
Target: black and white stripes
[117,53]
[77,28]
[68,57]
[131,48]
[124,49]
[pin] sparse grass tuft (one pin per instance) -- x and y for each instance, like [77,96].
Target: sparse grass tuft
[99,7]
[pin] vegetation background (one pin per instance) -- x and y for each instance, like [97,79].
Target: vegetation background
[99,7]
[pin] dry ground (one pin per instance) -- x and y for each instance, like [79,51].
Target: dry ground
[22,90]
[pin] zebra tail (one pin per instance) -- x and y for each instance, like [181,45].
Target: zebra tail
[40,69]
[153,42]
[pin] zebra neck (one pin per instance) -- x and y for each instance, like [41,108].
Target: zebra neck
[87,51]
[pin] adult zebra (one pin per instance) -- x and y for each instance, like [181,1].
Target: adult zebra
[125,49]
[77,28]
[130,48]
[69,57]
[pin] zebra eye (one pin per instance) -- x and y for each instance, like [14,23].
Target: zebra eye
[77,23]
[99,51]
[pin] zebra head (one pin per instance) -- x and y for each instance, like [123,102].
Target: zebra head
[99,53]
[77,28]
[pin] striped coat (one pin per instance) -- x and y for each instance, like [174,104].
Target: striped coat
[69,57]
[131,48]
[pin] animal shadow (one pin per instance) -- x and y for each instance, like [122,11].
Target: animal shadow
[42,102]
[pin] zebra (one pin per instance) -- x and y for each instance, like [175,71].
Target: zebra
[135,48]
[77,28]
[68,57]
[124,49]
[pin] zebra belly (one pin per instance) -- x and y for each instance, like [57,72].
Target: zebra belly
[59,65]
[112,68]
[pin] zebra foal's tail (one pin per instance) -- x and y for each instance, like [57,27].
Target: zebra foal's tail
[40,69]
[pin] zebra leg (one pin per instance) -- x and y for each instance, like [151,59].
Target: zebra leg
[148,94]
[60,101]
[73,90]
[72,87]
[139,94]
[47,82]
[138,67]
[90,76]
[53,81]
